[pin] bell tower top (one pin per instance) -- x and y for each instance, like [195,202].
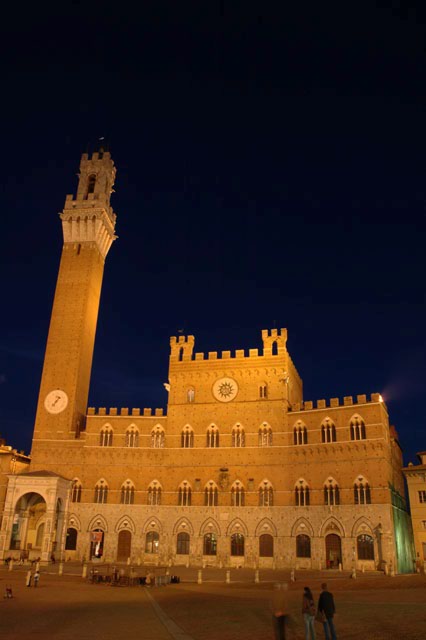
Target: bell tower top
[89,217]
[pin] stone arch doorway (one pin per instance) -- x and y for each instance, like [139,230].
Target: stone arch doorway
[124,546]
[29,520]
[333,551]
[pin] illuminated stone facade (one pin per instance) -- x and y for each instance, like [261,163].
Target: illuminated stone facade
[416,481]
[240,472]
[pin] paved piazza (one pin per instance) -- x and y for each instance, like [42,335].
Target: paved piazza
[68,607]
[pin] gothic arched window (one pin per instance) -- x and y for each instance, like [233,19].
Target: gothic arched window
[237,494]
[132,437]
[362,492]
[265,436]
[210,494]
[328,431]
[76,491]
[105,437]
[266,494]
[101,492]
[154,493]
[127,494]
[303,546]
[301,494]
[331,493]
[157,437]
[212,439]
[182,547]
[300,433]
[357,427]
[365,547]
[187,437]
[238,436]
[184,495]
[237,544]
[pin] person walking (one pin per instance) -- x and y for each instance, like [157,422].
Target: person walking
[279,607]
[308,611]
[327,607]
[36,578]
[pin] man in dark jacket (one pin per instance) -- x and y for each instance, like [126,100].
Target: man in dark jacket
[326,606]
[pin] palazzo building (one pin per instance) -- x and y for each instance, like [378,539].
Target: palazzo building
[240,471]
[416,481]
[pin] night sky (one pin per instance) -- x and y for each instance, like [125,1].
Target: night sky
[270,174]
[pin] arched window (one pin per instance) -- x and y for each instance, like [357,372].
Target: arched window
[184,495]
[238,436]
[266,546]
[132,437]
[331,493]
[91,182]
[212,436]
[265,436]
[301,494]
[237,494]
[182,547]
[210,494]
[303,546]
[300,433]
[105,437]
[237,544]
[328,431]
[266,494]
[357,428]
[157,437]
[76,491]
[365,547]
[101,492]
[210,544]
[127,494]
[263,391]
[190,394]
[362,493]
[152,542]
[71,540]
[154,493]
[187,437]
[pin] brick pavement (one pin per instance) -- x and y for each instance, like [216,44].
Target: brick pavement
[369,608]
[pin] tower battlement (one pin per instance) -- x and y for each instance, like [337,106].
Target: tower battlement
[332,403]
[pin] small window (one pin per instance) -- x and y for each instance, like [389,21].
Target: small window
[266,495]
[237,495]
[187,438]
[263,391]
[210,495]
[76,491]
[184,495]
[105,437]
[210,544]
[91,182]
[303,546]
[132,437]
[265,436]
[301,494]
[182,547]
[328,431]
[422,496]
[154,493]
[127,495]
[152,542]
[365,547]
[71,540]
[331,493]
[212,440]
[190,394]
[362,493]
[300,434]
[238,436]
[157,438]
[237,544]
[101,493]
[266,546]
[357,427]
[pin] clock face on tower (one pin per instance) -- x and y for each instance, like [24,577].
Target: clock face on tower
[225,389]
[56,401]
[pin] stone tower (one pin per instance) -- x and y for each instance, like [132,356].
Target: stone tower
[88,224]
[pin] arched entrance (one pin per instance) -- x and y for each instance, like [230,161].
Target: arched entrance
[333,551]
[124,545]
[29,523]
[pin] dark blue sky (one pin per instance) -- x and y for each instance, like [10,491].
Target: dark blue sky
[270,173]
